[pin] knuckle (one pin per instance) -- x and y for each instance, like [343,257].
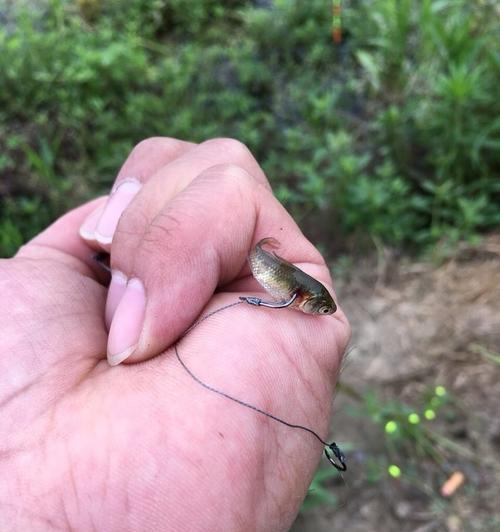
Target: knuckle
[150,144]
[235,185]
[232,148]
[231,177]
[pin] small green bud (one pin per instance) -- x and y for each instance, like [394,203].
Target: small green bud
[394,471]
[430,414]
[391,427]
[440,391]
[414,418]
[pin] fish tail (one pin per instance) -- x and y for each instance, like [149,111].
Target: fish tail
[269,241]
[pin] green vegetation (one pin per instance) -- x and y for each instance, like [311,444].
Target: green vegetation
[392,135]
[319,493]
[412,444]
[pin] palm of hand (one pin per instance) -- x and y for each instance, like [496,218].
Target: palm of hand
[110,446]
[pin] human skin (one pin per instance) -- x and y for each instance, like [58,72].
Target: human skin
[139,445]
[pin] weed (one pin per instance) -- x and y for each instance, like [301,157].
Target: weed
[392,134]
[318,493]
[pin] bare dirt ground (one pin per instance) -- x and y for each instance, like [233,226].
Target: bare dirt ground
[416,326]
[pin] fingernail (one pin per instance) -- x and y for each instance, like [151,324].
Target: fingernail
[115,293]
[117,203]
[87,229]
[127,322]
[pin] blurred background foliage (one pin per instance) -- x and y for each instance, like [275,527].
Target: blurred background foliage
[392,136]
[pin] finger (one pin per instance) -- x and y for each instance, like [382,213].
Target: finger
[63,236]
[197,242]
[145,159]
[150,155]
[159,190]
[175,176]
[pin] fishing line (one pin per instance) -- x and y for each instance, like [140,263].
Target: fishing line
[331,449]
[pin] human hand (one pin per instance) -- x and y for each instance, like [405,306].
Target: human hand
[142,446]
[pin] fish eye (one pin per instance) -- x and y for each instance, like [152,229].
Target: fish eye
[324,310]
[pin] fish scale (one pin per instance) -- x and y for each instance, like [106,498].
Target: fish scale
[282,280]
[266,272]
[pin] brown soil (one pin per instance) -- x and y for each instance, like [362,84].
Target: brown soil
[416,326]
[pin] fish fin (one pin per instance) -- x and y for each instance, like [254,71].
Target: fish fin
[274,243]
[269,241]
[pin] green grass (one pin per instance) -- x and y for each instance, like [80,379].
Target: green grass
[394,135]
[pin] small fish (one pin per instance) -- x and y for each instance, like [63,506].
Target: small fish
[288,284]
